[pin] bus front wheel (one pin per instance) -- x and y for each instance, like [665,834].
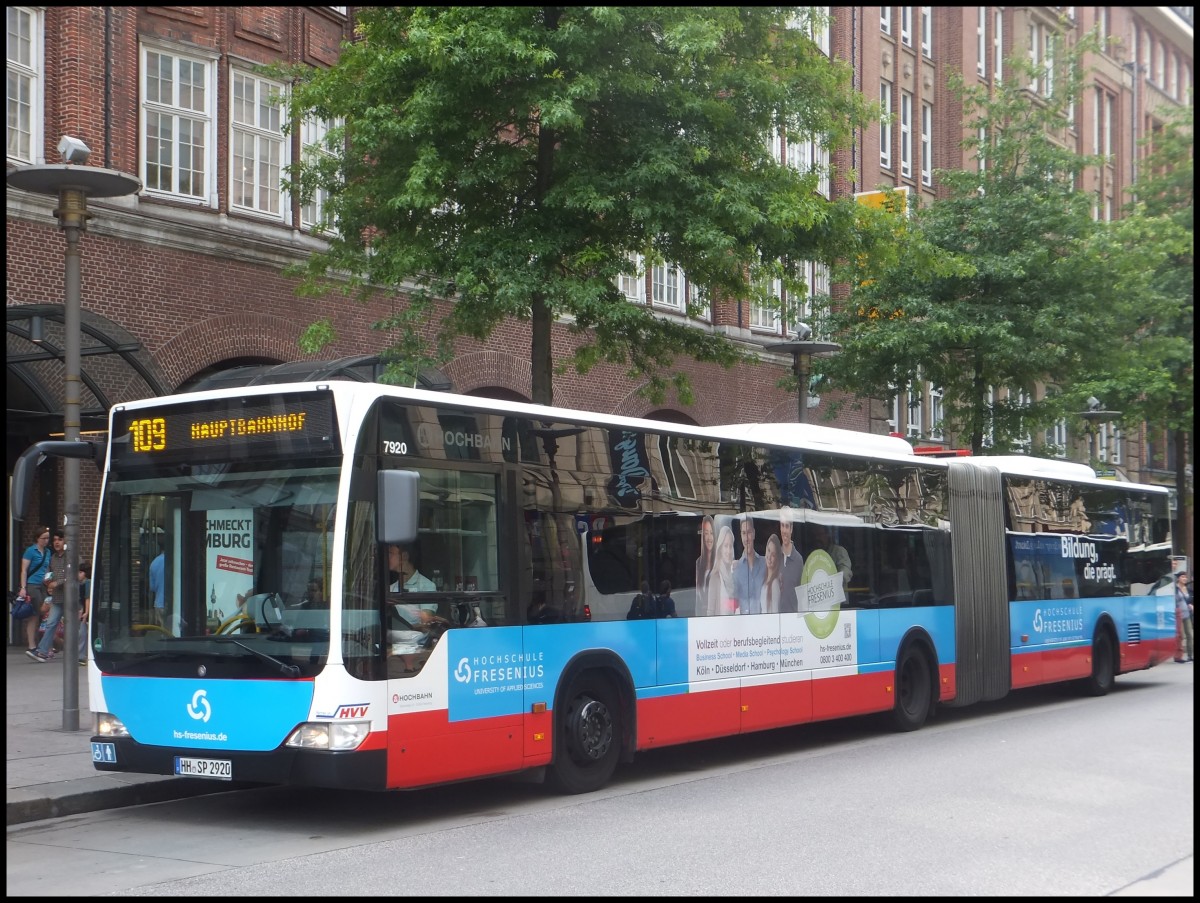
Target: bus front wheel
[1104,665]
[587,737]
[913,688]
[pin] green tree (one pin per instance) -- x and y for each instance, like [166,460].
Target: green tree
[513,159]
[1152,380]
[998,284]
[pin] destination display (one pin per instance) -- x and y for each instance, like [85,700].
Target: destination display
[302,424]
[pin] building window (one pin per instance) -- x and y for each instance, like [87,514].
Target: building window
[998,44]
[797,154]
[885,124]
[1108,444]
[1049,41]
[905,134]
[981,41]
[915,410]
[1035,55]
[820,31]
[789,307]
[1102,123]
[906,25]
[927,31]
[989,427]
[981,152]
[259,152]
[698,301]
[178,126]
[632,283]
[818,284]
[314,140]
[937,413]
[1021,400]
[926,143]
[1103,106]
[25,81]
[885,19]
[666,286]
[669,288]
[767,316]
[805,156]
[1056,439]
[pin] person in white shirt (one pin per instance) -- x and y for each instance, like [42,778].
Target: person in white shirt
[407,579]
[791,566]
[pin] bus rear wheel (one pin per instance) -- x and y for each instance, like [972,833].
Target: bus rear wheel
[1104,665]
[914,689]
[587,737]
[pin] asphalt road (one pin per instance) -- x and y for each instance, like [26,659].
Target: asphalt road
[1047,793]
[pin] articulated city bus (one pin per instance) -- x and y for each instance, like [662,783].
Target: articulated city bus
[355,585]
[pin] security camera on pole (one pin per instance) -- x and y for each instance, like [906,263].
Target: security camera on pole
[72,183]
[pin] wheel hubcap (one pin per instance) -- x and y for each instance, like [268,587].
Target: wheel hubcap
[593,729]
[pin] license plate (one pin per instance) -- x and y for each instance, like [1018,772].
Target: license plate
[216,769]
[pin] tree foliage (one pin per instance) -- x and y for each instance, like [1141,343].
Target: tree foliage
[1001,283]
[1152,382]
[513,159]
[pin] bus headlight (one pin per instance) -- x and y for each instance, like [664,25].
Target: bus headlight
[110,726]
[329,735]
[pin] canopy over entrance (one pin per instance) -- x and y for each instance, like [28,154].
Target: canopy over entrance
[365,368]
[114,366]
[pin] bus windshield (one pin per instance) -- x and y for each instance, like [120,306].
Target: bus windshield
[221,565]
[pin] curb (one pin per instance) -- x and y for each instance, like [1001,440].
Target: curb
[77,802]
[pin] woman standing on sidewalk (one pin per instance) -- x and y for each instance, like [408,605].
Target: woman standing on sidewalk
[34,564]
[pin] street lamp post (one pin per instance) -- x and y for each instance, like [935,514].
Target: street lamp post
[72,185]
[1093,417]
[802,350]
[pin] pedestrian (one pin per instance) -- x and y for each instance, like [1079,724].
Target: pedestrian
[34,564]
[85,605]
[1183,619]
[53,579]
[157,583]
[642,606]
[663,603]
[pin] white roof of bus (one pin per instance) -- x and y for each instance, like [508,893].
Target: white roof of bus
[808,436]
[789,435]
[816,437]
[1049,468]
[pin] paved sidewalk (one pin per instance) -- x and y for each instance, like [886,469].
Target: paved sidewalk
[50,771]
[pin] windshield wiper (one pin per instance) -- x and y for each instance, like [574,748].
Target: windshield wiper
[284,668]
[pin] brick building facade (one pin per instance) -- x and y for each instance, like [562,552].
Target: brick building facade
[185,279]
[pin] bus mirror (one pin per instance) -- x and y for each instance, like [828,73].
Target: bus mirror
[27,464]
[399,505]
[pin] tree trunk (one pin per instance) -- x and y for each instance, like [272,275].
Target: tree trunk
[1183,511]
[542,350]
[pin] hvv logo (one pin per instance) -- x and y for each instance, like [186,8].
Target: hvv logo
[199,702]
